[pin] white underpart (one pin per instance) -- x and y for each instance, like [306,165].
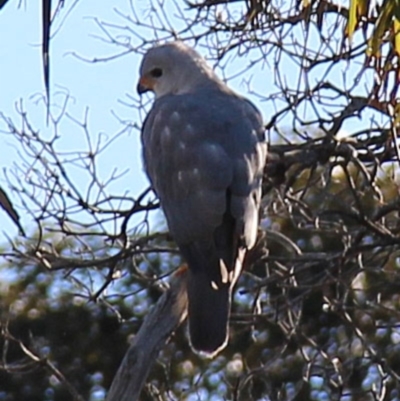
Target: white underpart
[214,286]
[261,153]
[224,272]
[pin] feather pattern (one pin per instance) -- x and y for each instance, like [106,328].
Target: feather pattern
[204,152]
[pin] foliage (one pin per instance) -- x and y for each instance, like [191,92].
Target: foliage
[314,318]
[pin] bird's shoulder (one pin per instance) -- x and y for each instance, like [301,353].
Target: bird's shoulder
[206,109]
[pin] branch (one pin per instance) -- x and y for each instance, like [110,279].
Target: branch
[6,204]
[35,360]
[169,312]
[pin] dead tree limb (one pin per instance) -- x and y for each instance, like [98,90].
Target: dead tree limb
[169,312]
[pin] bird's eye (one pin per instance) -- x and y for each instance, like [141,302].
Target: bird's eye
[156,72]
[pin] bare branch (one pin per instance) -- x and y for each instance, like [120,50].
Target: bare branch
[165,317]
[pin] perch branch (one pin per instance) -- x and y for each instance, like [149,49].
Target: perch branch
[169,312]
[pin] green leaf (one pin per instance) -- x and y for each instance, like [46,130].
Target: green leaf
[352,21]
[382,25]
[396,34]
[46,22]
[397,9]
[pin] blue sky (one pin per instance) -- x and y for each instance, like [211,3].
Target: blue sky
[103,88]
[98,87]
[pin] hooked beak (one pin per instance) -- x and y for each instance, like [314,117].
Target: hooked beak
[145,84]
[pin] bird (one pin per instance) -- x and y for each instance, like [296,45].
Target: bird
[204,152]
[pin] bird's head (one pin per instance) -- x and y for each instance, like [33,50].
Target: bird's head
[173,68]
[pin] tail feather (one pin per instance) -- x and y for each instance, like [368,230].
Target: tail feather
[214,267]
[209,309]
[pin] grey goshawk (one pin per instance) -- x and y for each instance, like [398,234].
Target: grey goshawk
[204,153]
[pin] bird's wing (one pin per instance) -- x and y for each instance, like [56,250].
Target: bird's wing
[195,150]
[204,154]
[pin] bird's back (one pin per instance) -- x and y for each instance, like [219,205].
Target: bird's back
[204,154]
